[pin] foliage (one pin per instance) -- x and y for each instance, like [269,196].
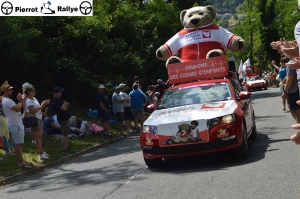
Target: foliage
[119,42]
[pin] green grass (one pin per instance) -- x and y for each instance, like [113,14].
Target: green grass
[53,146]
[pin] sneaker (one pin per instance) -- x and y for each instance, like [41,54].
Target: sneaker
[82,134]
[1,159]
[283,109]
[46,154]
[43,156]
[32,142]
[129,131]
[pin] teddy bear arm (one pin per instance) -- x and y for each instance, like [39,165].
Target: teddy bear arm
[162,53]
[238,45]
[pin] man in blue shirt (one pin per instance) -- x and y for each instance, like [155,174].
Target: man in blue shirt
[281,77]
[137,104]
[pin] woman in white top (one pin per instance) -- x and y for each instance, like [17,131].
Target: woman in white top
[33,107]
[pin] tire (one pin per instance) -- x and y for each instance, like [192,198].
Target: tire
[243,151]
[254,130]
[153,162]
[266,88]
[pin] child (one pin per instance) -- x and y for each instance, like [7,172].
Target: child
[173,139]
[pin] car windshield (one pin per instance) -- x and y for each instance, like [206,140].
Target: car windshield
[196,94]
[254,78]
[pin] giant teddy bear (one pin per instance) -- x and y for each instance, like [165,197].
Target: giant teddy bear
[199,39]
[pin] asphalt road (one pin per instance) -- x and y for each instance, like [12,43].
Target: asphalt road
[271,172]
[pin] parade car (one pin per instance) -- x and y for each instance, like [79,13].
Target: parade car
[255,83]
[199,117]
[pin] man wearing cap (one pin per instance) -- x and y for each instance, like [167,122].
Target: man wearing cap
[61,109]
[137,100]
[127,107]
[14,120]
[117,101]
[104,109]
[160,87]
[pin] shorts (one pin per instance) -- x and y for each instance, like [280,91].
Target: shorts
[139,114]
[65,128]
[39,127]
[17,133]
[128,113]
[281,89]
[292,98]
[120,116]
[105,116]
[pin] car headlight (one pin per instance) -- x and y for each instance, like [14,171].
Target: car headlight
[212,123]
[249,84]
[228,119]
[150,129]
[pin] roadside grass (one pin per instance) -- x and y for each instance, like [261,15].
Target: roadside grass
[53,146]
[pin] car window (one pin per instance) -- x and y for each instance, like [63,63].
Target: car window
[196,94]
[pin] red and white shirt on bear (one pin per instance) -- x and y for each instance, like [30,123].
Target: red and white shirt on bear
[194,44]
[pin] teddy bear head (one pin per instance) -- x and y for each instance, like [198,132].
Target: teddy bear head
[197,16]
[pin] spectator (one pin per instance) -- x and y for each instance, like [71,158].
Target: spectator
[156,97]
[127,107]
[282,75]
[24,105]
[151,95]
[33,107]
[137,80]
[50,126]
[14,120]
[118,107]
[104,109]
[291,92]
[6,135]
[137,98]
[160,87]
[60,107]
[75,126]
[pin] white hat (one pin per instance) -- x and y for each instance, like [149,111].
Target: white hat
[122,85]
[101,86]
[157,93]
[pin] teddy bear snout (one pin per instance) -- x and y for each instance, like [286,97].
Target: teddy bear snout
[195,21]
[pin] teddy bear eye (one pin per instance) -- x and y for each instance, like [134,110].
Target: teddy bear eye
[190,15]
[200,13]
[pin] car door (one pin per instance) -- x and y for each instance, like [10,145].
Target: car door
[246,106]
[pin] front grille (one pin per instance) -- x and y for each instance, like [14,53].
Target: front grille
[214,144]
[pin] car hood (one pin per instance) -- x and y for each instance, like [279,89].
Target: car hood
[191,112]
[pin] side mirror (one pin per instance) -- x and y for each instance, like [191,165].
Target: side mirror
[244,95]
[150,108]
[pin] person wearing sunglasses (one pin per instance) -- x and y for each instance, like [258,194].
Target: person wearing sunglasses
[33,107]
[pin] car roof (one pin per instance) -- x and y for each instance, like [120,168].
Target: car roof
[200,82]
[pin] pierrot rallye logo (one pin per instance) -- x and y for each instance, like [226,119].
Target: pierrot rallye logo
[80,7]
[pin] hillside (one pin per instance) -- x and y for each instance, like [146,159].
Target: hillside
[225,6]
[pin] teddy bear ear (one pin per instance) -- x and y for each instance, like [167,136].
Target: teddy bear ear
[212,11]
[182,16]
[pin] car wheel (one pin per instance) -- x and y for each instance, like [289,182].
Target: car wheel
[157,162]
[243,151]
[254,130]
[266,88]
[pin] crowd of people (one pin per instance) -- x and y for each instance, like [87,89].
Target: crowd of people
[128,107]
[290,60]
[56,118]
